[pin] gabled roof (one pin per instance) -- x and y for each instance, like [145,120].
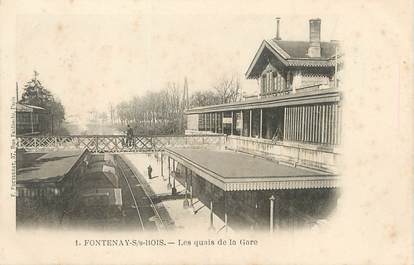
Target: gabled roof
[20,107]
[291,54]
[299,49]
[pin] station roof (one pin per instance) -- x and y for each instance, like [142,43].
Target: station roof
[231,170]
[20,107]
[299,49]
[45,167]
[310,97]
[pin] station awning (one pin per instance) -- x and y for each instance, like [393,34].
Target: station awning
[233,171]
[311,97]
[29,108]
[46,167]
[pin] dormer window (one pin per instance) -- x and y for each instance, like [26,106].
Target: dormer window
[272,81]
[268,82]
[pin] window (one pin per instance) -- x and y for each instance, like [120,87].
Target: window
[263,84]
[272,81]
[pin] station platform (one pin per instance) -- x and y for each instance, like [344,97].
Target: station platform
[196,218]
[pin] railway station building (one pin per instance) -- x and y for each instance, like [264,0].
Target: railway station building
[297,106]
[284,141]
[31,120]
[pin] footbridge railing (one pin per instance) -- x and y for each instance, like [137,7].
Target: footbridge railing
[115,143]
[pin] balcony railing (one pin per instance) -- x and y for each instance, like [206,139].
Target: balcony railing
[289,90]
[276,93]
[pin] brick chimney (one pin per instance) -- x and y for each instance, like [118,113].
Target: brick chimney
[314,49]
[277,28]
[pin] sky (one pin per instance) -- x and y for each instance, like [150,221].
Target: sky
[90,61]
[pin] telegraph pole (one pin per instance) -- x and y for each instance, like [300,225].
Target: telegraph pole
[17,92]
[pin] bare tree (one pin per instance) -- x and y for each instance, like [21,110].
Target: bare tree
[162,112]
[155,112]
[228,89]
[204,98]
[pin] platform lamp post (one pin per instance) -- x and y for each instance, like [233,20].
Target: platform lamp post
[272,205]
[186,204]
[169,174]
[211,216]
[191,192]
[225,213]
[174,189]
[226,222]
[256,207]
[162,166]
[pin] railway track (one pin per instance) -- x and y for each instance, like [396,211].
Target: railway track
[138,207]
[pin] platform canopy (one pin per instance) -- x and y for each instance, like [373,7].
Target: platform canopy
[35,167]
[235,171]
[330,95]
[29,108]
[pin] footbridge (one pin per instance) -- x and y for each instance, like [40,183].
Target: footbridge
[116,143]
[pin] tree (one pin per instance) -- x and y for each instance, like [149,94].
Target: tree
[122,110]
[103,116]
[162,112]
[204,98]
[228,89]
[35,94]
[57,111]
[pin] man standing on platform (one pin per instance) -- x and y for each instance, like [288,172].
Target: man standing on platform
[149,172]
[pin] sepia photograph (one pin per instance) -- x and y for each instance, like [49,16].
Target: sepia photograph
[176,156]
[184,127]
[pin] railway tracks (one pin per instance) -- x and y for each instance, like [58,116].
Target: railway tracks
[138,207]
